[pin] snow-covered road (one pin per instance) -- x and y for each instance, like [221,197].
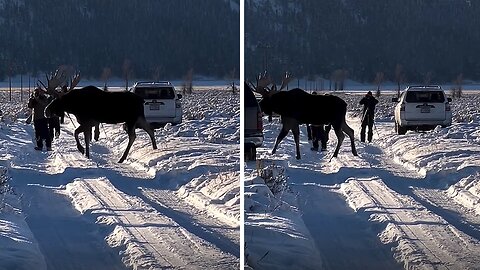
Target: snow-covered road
[172,208]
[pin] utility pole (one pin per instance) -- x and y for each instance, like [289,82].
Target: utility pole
[21,87]
[10,71]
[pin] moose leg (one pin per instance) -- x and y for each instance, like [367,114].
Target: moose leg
[79,130]
[280,137]
[143,124]
[340,137]
[296,137]
[88,137]
[350,133]
[97,132]
[131,139]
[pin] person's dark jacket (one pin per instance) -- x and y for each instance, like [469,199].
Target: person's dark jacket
[38,103]
[369,102]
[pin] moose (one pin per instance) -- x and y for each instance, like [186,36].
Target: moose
[91,106]
[299,107]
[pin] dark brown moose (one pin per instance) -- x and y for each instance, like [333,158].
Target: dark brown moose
[299,107]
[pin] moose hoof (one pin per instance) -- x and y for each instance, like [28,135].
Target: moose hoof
[297,157]
[81,149]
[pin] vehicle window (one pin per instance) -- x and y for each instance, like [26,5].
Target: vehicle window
[425,96]
[155,92]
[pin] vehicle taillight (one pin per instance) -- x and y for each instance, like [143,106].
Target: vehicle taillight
[447,107]
[259,121]
[402,107]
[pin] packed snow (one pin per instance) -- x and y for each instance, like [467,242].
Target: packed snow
[177,207]
[406,202]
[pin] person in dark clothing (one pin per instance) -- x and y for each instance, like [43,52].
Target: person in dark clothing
[310,128]
[53,125]
[317,133]
[320,133]
[369,102]
[38,102]
[309,132]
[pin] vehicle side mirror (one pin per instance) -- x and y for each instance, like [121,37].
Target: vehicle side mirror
[394,99]
[449,99]
[179,96]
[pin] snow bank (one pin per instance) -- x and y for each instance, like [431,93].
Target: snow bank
[219,194]
[17,243]
[275,234]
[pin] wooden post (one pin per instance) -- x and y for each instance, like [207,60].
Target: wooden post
[21,87]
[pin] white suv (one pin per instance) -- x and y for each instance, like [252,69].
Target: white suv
[162,103]
[422,108]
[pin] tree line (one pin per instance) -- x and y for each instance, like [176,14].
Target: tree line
[141,39]
[398,40]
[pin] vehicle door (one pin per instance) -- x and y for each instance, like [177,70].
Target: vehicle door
[252,113]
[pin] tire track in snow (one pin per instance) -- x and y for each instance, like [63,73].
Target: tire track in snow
[151,239]
[423,238]
[197,222]
[439,202]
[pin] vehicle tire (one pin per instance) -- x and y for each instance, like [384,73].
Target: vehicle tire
[401,130]
[250,152]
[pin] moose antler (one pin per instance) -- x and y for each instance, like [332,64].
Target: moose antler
[285,81]
[53,81]
[74,80]
[263,80]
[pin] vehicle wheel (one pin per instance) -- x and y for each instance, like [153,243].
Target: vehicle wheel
[250,152]
[401,130]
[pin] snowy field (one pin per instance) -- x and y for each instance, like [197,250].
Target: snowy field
[406,202]
[177,207]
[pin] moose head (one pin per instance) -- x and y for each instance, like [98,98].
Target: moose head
[54,80]
[262,87]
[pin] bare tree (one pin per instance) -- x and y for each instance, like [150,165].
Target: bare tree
[188,82]
[339,76]
[157,72]
[379,78]
[106,74]
[457,88]
[127,71]
[231,77]
[11,70]
[399,77]
[428,78]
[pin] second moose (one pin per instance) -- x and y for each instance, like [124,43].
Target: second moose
[299,107]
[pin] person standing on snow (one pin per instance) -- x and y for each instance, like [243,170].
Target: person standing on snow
[369,102]
[318,133]
[53,124]
[38,102]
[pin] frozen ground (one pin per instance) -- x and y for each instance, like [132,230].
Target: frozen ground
[177,207]
[406,202]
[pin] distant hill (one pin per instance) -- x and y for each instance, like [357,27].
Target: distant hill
[427,40]
[148,38]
